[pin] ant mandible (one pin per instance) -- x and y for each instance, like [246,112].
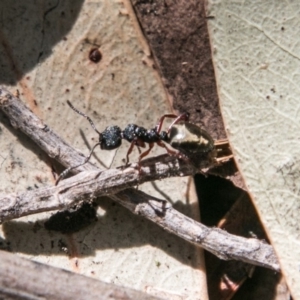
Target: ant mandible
[111,138]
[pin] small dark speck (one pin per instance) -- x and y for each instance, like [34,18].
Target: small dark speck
[67,90]
[268,97]
[273,90]
[82,87]
[62,13]
[112,76]
[35,103]
[62,244]
[198,110]
[28,77]
[39,179]
[169,246]
[189,257]
[42,246]
[282,28]
[95,55]
[65,38]
[52,244]
[93,272]
[49,108]
[36,186]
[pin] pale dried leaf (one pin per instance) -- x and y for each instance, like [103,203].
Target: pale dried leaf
[256,54]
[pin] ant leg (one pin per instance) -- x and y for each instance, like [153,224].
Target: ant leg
[172,152]
[185,117]
[67,171]
[145,153]
[133,143]
[139,149]
[161,120]
[84,115]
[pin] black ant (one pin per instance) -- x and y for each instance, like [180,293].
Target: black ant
[186,137]
[111,137]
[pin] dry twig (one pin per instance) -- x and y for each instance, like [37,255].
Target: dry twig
[46,282]
[114,183]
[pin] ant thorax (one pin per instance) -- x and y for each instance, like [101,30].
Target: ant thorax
[135,132]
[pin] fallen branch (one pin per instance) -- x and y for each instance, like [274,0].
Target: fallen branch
[222,244]
[88,185]
[46,282]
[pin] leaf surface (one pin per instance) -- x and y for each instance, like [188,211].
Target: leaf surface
[256,53]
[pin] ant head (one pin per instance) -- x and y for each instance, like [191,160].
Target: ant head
[163,136]
[186,116]
[110,138]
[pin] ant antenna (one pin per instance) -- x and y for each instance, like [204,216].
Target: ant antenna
[87,117]
[161,120]
[66,171]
